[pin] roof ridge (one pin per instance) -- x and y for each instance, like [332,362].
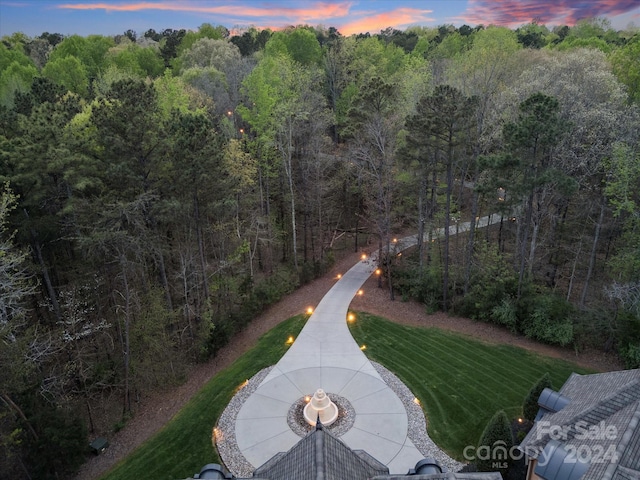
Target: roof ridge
[601,410]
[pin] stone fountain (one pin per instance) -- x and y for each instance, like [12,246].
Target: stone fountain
[320,406]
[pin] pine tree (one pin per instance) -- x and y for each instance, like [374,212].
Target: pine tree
[494,446]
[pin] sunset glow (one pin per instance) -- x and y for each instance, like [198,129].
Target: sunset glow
[84,17]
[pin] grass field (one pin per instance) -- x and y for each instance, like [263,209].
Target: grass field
[184,445]
[460,382]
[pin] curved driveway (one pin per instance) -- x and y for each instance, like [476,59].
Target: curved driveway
[326,356]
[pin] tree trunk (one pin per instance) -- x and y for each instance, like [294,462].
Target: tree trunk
[421,219]
[523,243]
[471,241]
[447,225]
[45,272]
[127,345]
[12,405]
[163,279]
[203,263]
[592,257]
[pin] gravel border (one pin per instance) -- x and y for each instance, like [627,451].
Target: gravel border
[224,439]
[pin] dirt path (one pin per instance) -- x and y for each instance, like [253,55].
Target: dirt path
[157,409]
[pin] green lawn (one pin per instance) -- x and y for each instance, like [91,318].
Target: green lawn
[459,381]
[184,445]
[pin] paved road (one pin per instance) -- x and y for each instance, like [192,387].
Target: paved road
[326,356]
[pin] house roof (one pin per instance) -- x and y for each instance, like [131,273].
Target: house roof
[321,456]
[598,424]
[445,476]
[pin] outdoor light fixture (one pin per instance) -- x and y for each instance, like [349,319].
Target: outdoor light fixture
[290,340]
[364,256]
[363,347]
[339,276]
[242,385]
[416,400]
[360,292]
[309,310]
[351,317]
[378,271]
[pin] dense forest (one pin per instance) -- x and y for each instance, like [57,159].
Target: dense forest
[158,190]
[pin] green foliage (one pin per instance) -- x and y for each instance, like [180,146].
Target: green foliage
[172,95]
[300,44]
[626,68]
[424,286]
[494,284]
[496,441]
[506,313]
[630,354]
[91,51]
[69,72]
[14,79]
[622,193]
[184,444]
[530,404]
[62,443]
[573,43]
[135,60]
[12,55]
[442,369]
[550,320]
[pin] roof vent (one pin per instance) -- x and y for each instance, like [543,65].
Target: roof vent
[556,463]
[551,401]
[426,466]
[213,471]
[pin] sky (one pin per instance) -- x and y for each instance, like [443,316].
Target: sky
[111,17]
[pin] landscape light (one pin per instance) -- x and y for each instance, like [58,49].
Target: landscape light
[309,310]
[360,292]
[290,340]
[351,317]
[363,347]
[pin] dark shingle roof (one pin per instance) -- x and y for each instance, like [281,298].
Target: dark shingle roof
[321,456]
[445,476]
[597,402]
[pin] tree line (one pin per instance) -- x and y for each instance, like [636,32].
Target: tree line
[160,190]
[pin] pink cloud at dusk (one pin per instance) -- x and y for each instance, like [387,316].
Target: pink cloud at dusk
[513,13]
[399,18]
[312,12]
[275,16]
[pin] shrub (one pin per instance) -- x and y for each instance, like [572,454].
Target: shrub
[492,281]
[505,313]
[530,404]
[492,453]
[61,445]
[423,285]
[550,320]
[630,354]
